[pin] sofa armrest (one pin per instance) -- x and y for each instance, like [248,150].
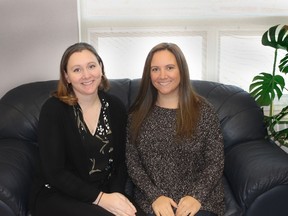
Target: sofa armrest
[17,161]
[253,168]
[5,210]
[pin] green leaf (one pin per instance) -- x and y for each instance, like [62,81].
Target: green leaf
[276,37]
[264,87]
[283,66]
[281,136]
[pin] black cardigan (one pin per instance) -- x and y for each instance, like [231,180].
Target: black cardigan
[62,154]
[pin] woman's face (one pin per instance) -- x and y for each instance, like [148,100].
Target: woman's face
[84,73]
[165,74]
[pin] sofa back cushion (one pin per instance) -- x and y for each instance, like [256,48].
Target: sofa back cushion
[240,117]
[20,107]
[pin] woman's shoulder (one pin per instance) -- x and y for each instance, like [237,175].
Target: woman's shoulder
[205,104]
[53,103]
[114,102]
[207,108]
[53,110]
[117,108]
[52,100]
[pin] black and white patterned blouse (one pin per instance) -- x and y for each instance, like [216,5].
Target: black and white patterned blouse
[98,145]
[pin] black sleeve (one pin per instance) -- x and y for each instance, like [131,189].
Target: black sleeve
[56,140]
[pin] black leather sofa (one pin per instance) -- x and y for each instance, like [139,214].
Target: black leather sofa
[256,170]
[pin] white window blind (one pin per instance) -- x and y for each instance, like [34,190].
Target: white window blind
[242,56]
[124,53]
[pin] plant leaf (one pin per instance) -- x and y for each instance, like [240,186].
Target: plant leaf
[276,37]
[283,66]
[264,87]
[281,136]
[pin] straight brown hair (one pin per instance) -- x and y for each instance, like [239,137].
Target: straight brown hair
[65,91]
[188,111]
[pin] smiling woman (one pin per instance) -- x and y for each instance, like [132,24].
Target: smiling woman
[84,73]
[165,77]
[82,128]
[174,150]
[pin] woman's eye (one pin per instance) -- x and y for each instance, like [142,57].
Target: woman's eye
[92,66]
[170,68]
[76,70]
[154,69]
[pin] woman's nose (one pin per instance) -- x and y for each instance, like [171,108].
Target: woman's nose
[162,73]
[85,73]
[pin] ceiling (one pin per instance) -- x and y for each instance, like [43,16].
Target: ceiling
[196,9]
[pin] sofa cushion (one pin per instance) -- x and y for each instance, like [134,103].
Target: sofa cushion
[21,107]
[255,167]
[238,112]
[17,162]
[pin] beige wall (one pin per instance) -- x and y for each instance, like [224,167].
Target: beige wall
[33,37]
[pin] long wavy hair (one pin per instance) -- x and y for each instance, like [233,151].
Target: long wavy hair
[64,90]
[188,107]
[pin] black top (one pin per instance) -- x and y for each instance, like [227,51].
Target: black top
[64,160]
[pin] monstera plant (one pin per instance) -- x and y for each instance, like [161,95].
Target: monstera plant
[267,87]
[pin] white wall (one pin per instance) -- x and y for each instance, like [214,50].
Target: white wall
[33,37]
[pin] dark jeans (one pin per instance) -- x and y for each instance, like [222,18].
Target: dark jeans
[52,203]
[205,213]
[200,213]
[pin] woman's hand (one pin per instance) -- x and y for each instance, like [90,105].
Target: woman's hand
[117,204]
[163,206]
[188,205]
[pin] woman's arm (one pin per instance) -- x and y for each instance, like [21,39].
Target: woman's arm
[56,143]
[213,155]
[138,174]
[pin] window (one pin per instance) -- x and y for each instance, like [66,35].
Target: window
[222,50]
[242,56]
[124,53]
[237,56]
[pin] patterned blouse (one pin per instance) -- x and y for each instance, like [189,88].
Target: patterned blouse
[99,145]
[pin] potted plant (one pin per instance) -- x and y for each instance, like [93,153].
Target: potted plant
[267,85]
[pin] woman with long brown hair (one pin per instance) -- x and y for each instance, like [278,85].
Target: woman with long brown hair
[174,150]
